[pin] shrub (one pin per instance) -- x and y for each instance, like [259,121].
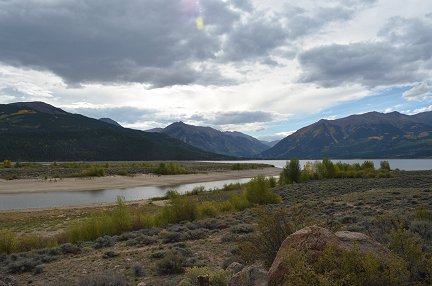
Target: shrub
[92,172]
[7,164]
[273,226]
[408,246]
[172,263]
[102,279]
[344,267]
[170,169]
[368,165]
[138,270]
[385,165]
[106,223]
[291,173]
[218,278]
[8,241]
[257,191]
[328,169]
[207,209]
[180,208]
[31,242]
[422,213]
[240,202]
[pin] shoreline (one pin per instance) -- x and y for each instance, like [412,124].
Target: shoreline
[121,182]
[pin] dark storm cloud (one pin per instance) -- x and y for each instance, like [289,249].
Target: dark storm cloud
[153,41]
[401,56]
[101,41]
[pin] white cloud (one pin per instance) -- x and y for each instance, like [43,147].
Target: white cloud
[419,92]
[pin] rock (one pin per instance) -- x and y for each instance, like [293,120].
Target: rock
[234,267]
[254,275]
[314,239]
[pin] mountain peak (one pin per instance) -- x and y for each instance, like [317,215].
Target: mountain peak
[368,135]
[216,141]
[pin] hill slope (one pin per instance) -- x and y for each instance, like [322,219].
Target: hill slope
[36,131]
[369,135]
[215,141]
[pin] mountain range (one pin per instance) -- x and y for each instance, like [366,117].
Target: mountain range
[228,143]
[369,135]
[36,131]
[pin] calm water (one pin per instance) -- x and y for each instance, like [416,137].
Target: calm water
[401,164]
[58,199]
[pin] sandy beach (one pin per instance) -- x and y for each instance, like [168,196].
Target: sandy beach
[100,183]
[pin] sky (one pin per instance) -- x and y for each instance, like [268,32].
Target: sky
[265,68]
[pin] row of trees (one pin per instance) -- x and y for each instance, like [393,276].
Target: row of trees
[326,169]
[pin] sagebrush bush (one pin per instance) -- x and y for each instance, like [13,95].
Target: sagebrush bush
[171,263]
[102,279]
[273,226]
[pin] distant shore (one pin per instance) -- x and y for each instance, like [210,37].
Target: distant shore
[117,182]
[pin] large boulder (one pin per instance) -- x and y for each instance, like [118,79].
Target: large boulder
[253,275]
[314,239]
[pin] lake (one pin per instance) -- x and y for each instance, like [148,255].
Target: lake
[9,201]
[401,164]
[15,201]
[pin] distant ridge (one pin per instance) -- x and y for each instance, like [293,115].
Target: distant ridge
[369,135]
[231,143]
[36,131]
[110,121]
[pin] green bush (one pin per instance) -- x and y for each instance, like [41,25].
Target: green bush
[291,173]
[8,241]
[408,246]
[179,209]
[105,223]
[170,169]
[7,164]
[385,165]
[258,191]
[344,267]
[218,278]
[207,209]
[240,202]
[368,165]
[92,172]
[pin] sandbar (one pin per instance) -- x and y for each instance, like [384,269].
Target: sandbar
[118,182]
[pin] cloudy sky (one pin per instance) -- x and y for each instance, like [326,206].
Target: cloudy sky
[266,68]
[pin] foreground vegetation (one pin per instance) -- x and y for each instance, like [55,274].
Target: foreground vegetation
[204,232]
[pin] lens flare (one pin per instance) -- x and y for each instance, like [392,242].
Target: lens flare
[199,23]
